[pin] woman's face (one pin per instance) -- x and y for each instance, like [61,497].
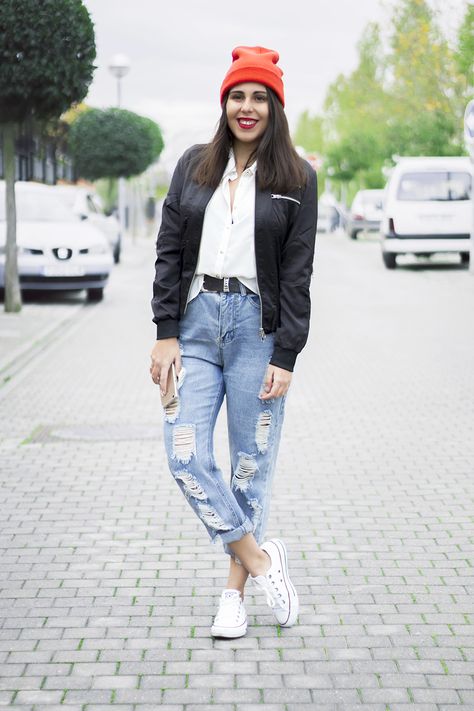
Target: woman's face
[247,112]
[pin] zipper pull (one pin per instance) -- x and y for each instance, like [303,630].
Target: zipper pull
[262,333]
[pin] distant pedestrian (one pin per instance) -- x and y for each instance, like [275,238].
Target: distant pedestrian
[231,304]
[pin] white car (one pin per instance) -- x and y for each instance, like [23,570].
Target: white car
[87,205]
[56,250]
[365,213]
[427,208]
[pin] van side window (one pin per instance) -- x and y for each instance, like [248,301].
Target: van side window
[434,186]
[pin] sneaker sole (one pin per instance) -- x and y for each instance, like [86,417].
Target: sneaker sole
[229,632]
[292,594]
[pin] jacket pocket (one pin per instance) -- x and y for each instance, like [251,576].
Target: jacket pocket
[275,196]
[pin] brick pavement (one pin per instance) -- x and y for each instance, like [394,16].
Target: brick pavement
[108,584]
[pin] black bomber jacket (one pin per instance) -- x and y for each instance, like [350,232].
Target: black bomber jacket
[285,231]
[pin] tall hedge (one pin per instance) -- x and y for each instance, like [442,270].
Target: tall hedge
[113,143]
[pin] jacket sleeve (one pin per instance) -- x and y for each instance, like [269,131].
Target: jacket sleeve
[295,278]
[166,285]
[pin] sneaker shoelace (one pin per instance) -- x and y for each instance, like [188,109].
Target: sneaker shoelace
[274,597]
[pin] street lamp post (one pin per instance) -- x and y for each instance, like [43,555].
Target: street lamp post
[469,140]
[120,66]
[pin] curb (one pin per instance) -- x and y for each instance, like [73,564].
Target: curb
[16,360]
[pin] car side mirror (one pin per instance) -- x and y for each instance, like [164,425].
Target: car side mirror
[82,216]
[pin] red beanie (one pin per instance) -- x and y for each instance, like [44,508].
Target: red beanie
[257,64]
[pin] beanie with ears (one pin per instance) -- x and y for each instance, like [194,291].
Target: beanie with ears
[256,64]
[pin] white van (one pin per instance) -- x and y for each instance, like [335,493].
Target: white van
[427,208]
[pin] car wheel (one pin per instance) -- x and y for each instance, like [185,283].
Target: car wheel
[465,257]
[389,259]
[95,294]
[354,233]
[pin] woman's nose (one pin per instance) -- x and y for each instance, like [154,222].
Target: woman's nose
[247,105]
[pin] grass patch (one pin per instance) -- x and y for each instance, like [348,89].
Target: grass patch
[33,434]
[444,665]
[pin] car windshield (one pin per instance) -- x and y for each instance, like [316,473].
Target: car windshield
[374,199]
[37,206]
[435,186]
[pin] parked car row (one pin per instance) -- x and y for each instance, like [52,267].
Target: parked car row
[64,242]
[424,209]
[427,209]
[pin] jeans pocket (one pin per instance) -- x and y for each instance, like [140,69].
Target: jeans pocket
[253,300]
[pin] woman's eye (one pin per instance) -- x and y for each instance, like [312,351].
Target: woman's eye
[261,97]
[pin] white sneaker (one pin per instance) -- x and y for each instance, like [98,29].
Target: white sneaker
[231,618]
[276,584]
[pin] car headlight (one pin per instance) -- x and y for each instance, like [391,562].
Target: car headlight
[99,249]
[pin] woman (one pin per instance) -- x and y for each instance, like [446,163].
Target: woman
[233,269]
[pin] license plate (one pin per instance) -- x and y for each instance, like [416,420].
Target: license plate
[63,270]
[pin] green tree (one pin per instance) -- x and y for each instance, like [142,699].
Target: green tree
[464,54]
[113,143]
[355,117]
[427,105]
[310,133]
[47,50]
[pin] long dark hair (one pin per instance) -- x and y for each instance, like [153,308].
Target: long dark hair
[279,167]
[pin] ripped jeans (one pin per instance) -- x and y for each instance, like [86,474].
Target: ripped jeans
[223,353]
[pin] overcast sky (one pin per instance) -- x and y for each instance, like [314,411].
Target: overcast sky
[180,51]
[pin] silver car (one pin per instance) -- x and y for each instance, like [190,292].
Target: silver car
[87,205]
[56,250]
[366,212]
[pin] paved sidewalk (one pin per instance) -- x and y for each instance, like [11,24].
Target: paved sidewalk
[108,583]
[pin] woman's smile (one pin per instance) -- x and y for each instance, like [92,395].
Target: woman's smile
[247,123]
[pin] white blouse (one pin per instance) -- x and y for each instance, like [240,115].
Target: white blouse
[227,244]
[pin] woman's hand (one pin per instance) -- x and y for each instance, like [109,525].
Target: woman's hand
[277,382]
[164,352]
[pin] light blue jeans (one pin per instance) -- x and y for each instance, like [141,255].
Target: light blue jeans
[224,354]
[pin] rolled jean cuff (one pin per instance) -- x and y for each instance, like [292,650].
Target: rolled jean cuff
[237,533]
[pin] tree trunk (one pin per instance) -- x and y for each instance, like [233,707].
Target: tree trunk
[12,283]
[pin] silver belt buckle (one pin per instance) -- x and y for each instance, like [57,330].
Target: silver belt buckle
[226,284]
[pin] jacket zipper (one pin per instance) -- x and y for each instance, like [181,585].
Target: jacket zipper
[189,289]
[285,197]
[262,333]
[194,273]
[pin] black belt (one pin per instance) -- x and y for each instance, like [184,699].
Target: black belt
[226,284]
